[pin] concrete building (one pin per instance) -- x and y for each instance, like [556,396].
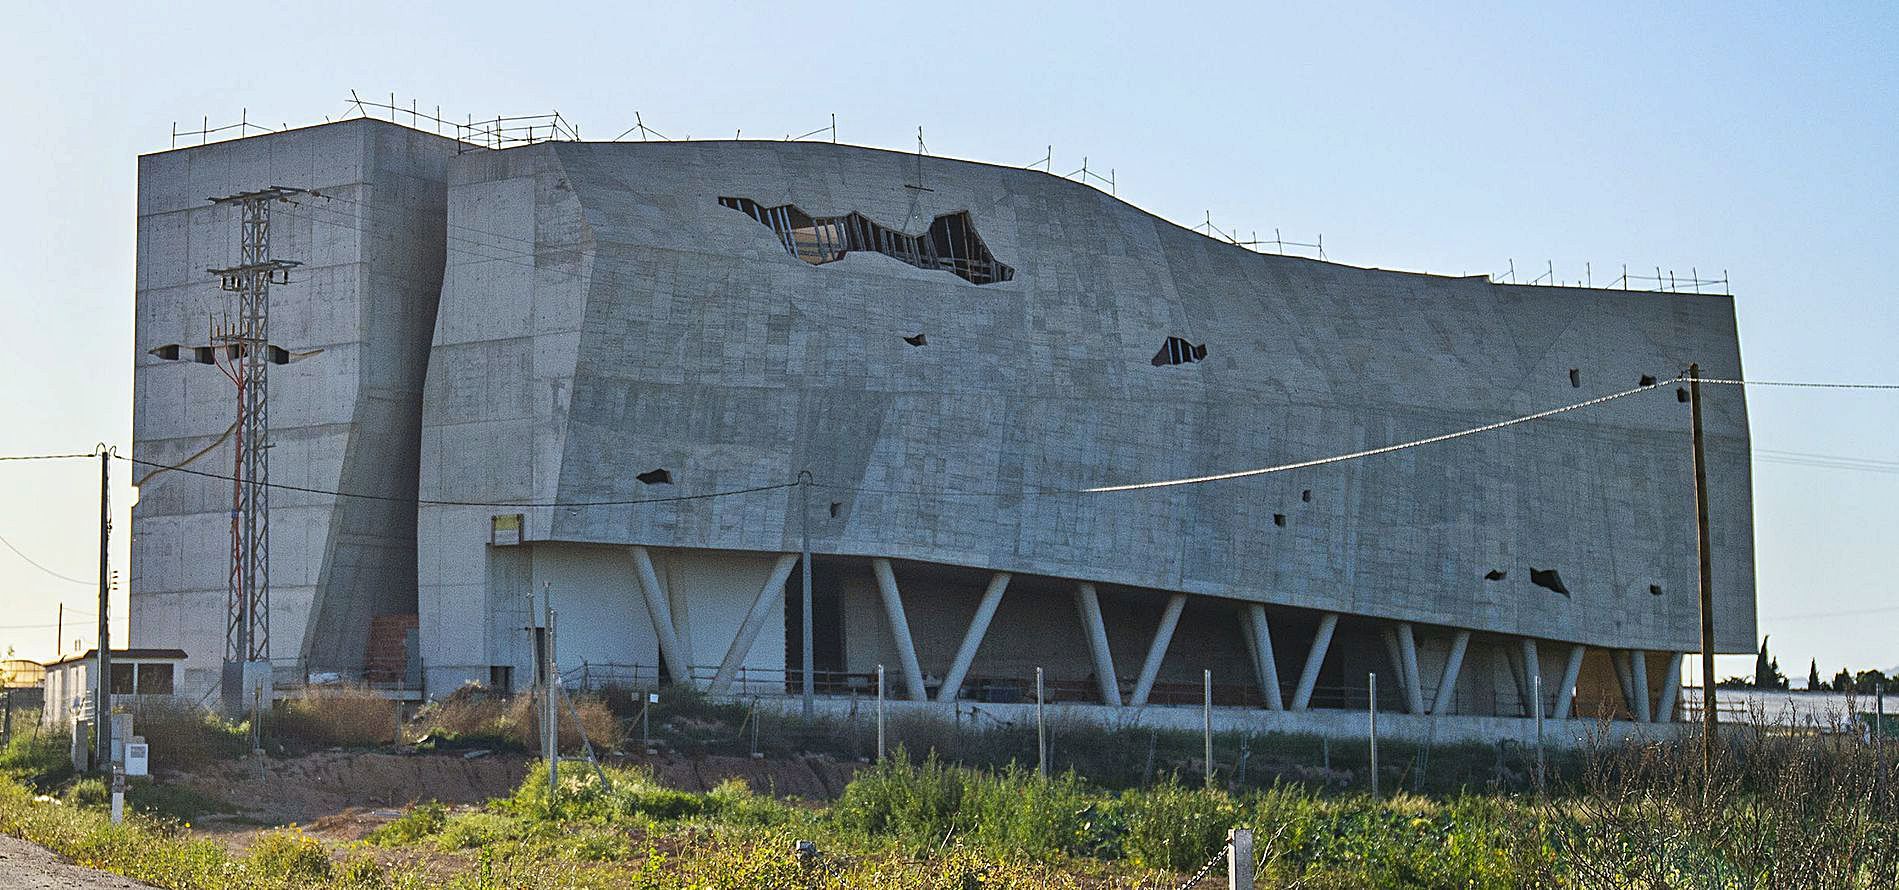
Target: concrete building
[656,368]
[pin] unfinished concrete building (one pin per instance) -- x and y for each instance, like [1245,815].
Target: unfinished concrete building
[656,369]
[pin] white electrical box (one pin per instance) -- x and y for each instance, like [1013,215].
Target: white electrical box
[138,759]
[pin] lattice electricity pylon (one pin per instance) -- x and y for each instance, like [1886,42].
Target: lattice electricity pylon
[247,627]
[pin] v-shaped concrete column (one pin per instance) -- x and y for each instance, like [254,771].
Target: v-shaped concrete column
[763,608]
[1638,682]
[1671,690]
[1408,653]
[660,610]
[899,628]
[972,639]
[1262,640]
[1089,605]
[1157,650]
[1566,693]
[1445,700]
[1315,658]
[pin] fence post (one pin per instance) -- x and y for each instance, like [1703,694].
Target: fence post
[1041,730]
[1206,718]
[1372,696]
[1879,736]
[880,713]
[1536,692]
[1239,859]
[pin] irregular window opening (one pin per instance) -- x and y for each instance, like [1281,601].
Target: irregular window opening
[1575,377]
[1655,589]
[949,245]
[835,506]
[660,476]
[1547,578]
[204,355]
[1495,575]
[1681,395]
[1279,519]
[918,340]
[168,352]
[1648,380]
[1177,351]
[1306,495]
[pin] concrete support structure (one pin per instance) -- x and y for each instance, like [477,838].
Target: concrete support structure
[1566,693]
[1638,682]
[1671,690]
[1620,658]
[1408,653]
[1445,701]
[763,610]
[899,628]
[1262,642]
[1089,607]
[1532,669]
[659,609]
[972,639]
[1157,650]
[1315,658]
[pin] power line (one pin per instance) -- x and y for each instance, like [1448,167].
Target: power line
[432,502]
[1383,449]
[46,456]
[36,564]
[1804,384]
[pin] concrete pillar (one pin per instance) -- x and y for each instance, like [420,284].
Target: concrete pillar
[899,628]
[1315,658]
[1263,654]
[1408,652]
[1620,657]
[1671,690]
[1157,650]
[1446,698]
[1566,693]
[1638,681]
[972,638]
[1089,605]
[764,608]
[660,610]
[1532,667]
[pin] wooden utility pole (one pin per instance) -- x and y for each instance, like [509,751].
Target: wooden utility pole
[102,697]
[1704,547]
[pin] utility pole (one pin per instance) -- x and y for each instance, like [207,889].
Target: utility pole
[102,696]
[1704,546]
[247,626]
[804,630]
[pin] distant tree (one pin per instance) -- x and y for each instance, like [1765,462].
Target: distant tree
[1767,673]
[1813,675]
[1842,681]
[1866,682]
[1736,683]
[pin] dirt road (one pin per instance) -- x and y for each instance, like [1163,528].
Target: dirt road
[26,866]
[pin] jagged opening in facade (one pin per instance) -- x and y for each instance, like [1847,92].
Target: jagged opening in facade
[949,245]
[659,476]
[1177,351]
[1548,579]
[1575,377]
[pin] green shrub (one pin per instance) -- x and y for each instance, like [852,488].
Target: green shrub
[477,829]
[290,856]
[183,736]
[421,821]
[1174,827]
[917,803]
[40,759]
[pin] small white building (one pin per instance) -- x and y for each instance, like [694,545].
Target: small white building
[137,675]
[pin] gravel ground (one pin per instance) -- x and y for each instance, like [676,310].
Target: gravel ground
[26,866]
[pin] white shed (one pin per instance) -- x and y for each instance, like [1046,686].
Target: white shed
[137,675]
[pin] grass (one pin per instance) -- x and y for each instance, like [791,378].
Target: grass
[1779,811]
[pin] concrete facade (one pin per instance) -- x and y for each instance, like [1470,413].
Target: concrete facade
[343,419]
[612,310]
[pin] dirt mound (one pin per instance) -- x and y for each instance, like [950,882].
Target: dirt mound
[356,783]
[302,789]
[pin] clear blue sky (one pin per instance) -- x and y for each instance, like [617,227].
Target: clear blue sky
[1758,139]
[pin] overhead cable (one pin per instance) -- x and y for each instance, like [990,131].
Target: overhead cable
[434,502]
[1382,449]
[35,563]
